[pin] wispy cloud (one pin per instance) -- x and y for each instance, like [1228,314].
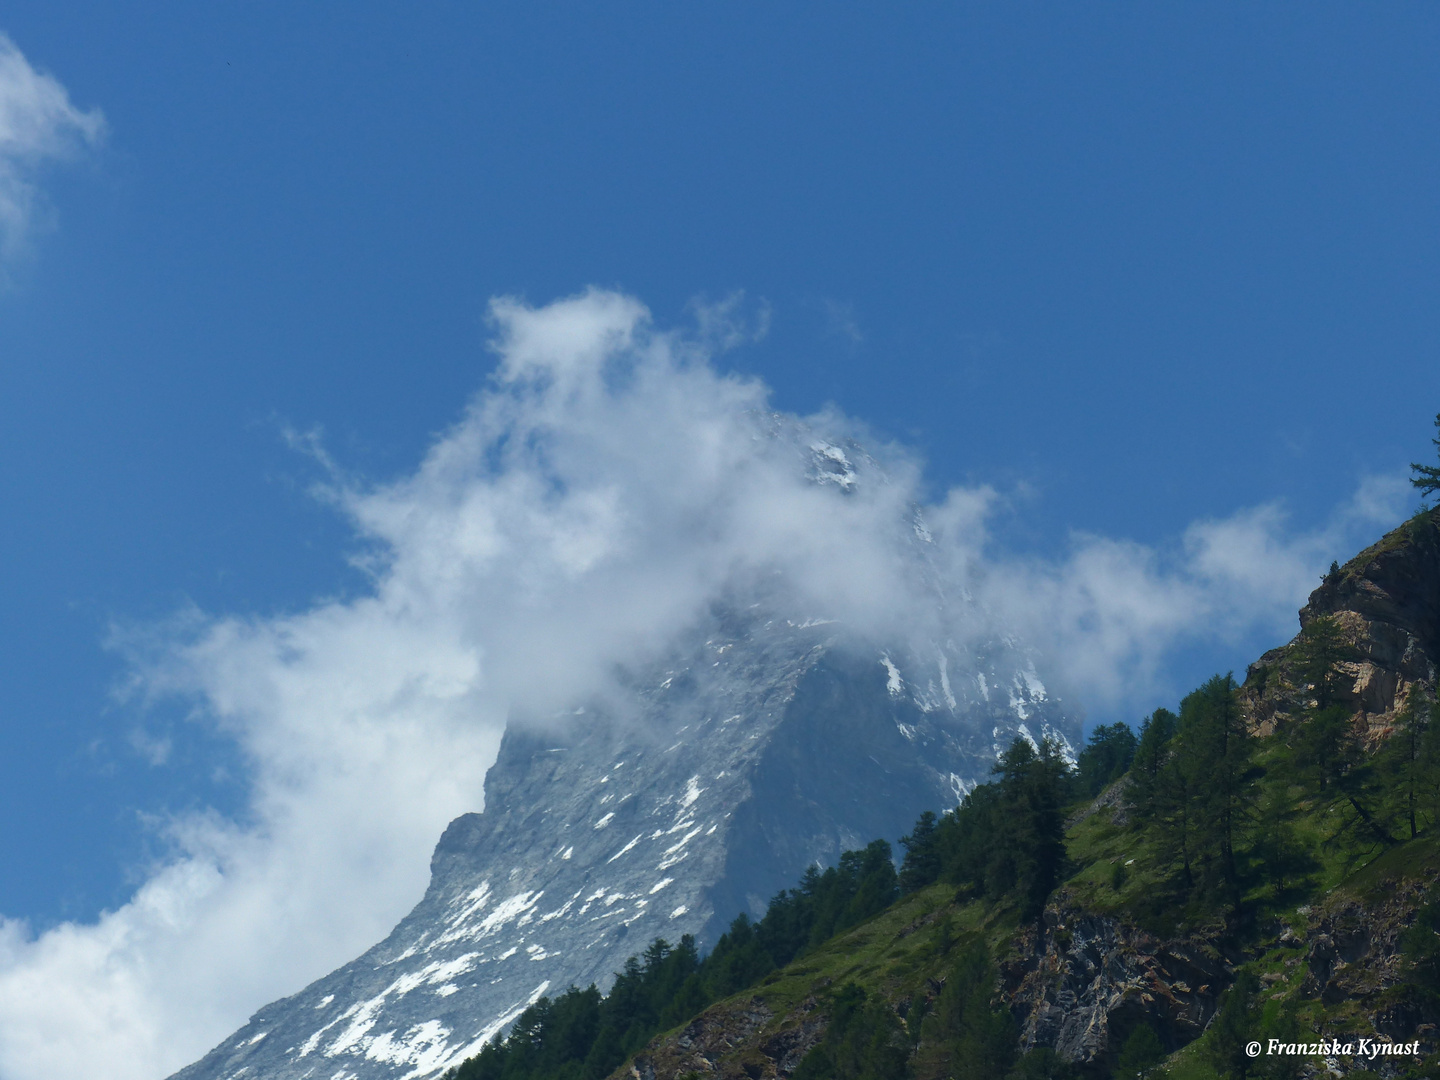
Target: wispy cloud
[1112,614]
[38,125]
[604,488]
[840,320]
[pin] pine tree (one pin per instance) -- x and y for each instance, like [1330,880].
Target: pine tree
[1142,1051]
[1427,477]
[1233,1026]
[1407,765]
[1106,756]
[1317,653]
[863,1041]
[1229,784]
[1173,817]
[1329,756]
[1151,753]
[1205,792]
[967,1035]
[922,856]
[1034,788]
[1284,860]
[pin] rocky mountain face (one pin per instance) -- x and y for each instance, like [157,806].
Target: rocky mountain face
[1386,605]
[763,745]
[1083,981]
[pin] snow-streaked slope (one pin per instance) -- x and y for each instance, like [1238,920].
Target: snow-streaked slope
[769,740]
[764,746]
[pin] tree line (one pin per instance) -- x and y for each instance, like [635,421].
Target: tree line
[581,1035]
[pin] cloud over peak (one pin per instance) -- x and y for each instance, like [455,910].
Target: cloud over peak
[604,488]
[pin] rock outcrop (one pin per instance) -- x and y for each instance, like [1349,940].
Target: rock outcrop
[1082,982]
[1386,605]
[734,1041]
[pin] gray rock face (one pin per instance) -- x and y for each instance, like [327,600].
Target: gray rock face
[1082,982]
[763,747]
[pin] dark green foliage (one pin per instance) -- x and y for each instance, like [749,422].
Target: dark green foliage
[864,1041]
[1316,655]
[968,1034]
[1042,1063]
[1142,1050]
[581,1036]
[1409,766]
[922,855]
[1233,1027]
[1206,807]
[1152,750]
[1420,946]
[1008,837]
[1246,1017]
[1214,733]
[1427,477]
[1036,788]
[1329,756]
[1106,757]
[1321,745]
[1284,861]
[1118,876]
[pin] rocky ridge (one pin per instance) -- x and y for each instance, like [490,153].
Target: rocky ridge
[1386,605]
[762,746]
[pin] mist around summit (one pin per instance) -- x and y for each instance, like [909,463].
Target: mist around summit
[606,487]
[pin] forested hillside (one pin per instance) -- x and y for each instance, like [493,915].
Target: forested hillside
[1259,863]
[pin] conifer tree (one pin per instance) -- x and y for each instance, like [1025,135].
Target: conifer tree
[1234,1026]
[1427,477]
[1033,788]
[1151,752]
[1407,765]
[1284,860]
[922,856]
[1218,736]
[967,1036]
[1318,652]
[1106,756]
[863,1041]
[1329,757]
[1205,792]
[1142,1051]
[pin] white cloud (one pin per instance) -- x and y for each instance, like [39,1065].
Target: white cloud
[1112,613]
[38,124]
[605,487]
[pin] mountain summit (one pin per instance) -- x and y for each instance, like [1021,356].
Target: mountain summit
[763,742]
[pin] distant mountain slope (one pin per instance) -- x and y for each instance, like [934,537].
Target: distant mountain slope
[763,747]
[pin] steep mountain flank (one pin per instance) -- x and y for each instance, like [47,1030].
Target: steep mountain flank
[767,739]
[764,746]
[1159,958]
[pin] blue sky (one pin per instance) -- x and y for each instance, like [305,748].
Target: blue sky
[1134,267]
